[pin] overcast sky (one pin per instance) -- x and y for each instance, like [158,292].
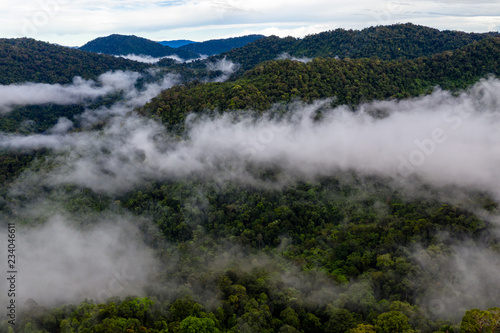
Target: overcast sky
[74,22]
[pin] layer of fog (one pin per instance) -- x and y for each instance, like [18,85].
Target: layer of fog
[441,139]
[132,99]
[148,59]
[286,55]
[312,288]
[80,91]
[227,67]
[59,262]
[459,279]
[153,60]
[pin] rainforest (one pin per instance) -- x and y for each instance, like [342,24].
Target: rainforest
[347,181]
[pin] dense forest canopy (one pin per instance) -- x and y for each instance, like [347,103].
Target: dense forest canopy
[350,81]
[267,201]
[396,41]
[177,43]
[28,60]
[124,45]
[216,46]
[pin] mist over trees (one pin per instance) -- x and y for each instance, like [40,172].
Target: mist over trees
[274,188]
[123,45]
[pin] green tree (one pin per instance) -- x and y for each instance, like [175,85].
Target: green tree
[363,328]
[392,322]
[477,321]
[198,325]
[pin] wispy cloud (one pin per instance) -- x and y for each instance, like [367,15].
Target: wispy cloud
[440,139]
[104,260]
[80,91]
[201,20]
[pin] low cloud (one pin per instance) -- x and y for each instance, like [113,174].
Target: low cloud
[132,99]
[142,58]
[152,60]
[227,67]
[285,55]
[149,59]
[63,125]
[80,91]
[440,139]
[60,262]
[458,279]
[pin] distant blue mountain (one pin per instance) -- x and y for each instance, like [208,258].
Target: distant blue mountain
[176,43]
[217,46]
[122,45]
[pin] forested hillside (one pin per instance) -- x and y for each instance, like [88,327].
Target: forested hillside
[28,60]
[353,192]
[177,43]
[384,42]
[216,46]
[125,45]
[350,81]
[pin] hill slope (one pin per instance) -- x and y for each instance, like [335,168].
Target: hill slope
[217,46]
[385,42]
[23,60]
[176,43]
[350,81]
[124,45]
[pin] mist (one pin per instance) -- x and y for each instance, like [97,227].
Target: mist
[441,139]
[147,58]
[455,282]
[78,92]
[60,262]
[286,55]
[227,67]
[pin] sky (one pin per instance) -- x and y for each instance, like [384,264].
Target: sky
[75,22]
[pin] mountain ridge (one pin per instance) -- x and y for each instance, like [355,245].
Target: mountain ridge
[117,44]
[385,42]
[217,46]
[29,60]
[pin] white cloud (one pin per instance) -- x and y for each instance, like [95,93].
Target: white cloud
[225,66]
[80,91]
[285,55]
[440,139]
[62,263]
[147,58]
[63,125]
[76,22]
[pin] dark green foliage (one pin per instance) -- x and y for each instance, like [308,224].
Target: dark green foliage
[392,322]
[41,117]
[124,45]
[217,46]
[176,43]
[337,254]
[396,41]
[28,60]
[476,320]
[349,81]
